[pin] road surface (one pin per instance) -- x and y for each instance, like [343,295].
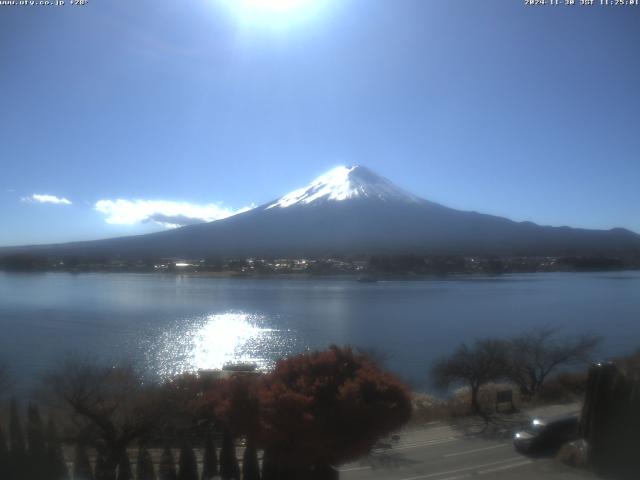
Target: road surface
[465,449]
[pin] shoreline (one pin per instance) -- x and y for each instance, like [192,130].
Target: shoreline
[363,277]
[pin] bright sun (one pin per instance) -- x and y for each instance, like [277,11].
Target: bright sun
[273,12]
[281,6]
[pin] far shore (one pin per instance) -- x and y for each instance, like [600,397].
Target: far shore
[361,277]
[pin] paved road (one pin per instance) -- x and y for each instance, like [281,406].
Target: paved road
[466,449]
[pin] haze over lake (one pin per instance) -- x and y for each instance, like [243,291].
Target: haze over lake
[171,324]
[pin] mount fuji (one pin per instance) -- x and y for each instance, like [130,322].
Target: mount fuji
[352,210]
[345,183]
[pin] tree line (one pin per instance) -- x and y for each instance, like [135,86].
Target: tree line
[38,455]
[312,412]
[526,361]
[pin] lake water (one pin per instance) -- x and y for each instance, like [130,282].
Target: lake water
[172,324]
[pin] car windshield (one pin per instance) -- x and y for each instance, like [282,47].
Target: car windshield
[535,427]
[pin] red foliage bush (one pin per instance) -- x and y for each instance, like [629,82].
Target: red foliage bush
[236,404]
[328,407]
[314,410]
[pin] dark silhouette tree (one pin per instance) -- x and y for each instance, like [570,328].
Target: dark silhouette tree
[124,468]
[81,465]
[188,463]
[229,468]
[16,438]
[23,262]
[474,366]
[35,433]
[209,458]
[536,354]
[109,406]
[36,447]
[56,465]
[4,456]
[167,469]
[144,468]
[100,469]
[104,470]
[325,408]
[269,467]
[182,405]
[250,466]
[106,467]
[18,462]
[236,403]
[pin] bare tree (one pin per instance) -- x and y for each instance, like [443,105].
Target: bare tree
[474,366]
[537,353]
[108,406]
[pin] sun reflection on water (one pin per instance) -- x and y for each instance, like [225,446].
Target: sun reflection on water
[216,340]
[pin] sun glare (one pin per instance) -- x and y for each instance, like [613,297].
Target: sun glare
[273,5]
[273,12]
[215,340]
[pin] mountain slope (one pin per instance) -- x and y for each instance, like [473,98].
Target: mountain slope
[351,210]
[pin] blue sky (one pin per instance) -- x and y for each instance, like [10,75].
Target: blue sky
[129,110]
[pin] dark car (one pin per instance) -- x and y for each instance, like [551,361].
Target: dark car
[546,436]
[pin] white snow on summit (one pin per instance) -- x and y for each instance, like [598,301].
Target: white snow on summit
[344,183]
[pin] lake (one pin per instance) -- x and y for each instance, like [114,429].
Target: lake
[170,324]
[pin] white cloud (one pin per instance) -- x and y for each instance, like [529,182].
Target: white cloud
[166,213]
[40,198]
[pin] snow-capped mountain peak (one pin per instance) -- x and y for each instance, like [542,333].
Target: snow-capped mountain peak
[342,183]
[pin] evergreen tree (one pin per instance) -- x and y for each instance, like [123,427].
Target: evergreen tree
[16,438]
[188,463]
[209,459]
[229,468]
[250,466]
[269,467]
[81,465]
[18,464]
[35,435]
[144,469]
[99,467]
[103,470]
[124,468]
[36,448]
[167,466]
[4,456]
[56,465]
